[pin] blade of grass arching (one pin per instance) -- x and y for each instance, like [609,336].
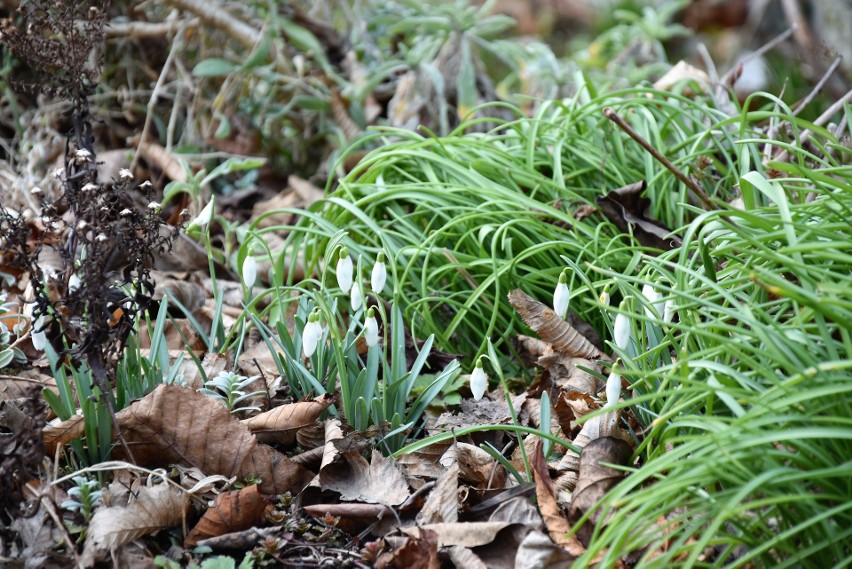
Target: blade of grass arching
[498,456]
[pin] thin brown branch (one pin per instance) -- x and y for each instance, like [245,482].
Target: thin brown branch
[689,182]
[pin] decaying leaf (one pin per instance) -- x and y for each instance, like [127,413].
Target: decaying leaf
[279,425]
[476,466]
[557,526]
[378,481]
[595,480]
[551,328]
[470,534]
[443,502]
[232,511]
[626,208]
[154,508]
[418,552]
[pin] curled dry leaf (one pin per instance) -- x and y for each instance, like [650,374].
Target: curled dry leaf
[279,425]
[551,328]
[595,480]
[627,209]
[232,511]
[154,508]
[556,524]
[418,552]
[470,534]
[442,505]
[476,466]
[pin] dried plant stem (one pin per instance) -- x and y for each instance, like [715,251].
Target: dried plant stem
[689,182]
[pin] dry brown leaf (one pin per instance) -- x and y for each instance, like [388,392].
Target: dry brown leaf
[378,482]
[556,524]
[277,473]
[423,463]
[470,534]
[232,511]
[476,466]
[551,328]
[464,558]
[682,71]
[420,552]
[63,433]
[443,502]
[155,508]
[279,425]
[595,480]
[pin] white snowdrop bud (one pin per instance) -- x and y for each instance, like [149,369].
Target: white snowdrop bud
[379,275]
[356,298]
[371,329]
[561,296]
[249,271]
[654,298]
[311,334]
[613,389]
[478,381]
[344,270]
[621,328]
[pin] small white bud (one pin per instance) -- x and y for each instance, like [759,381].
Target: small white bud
[604,298]
[125,174]
[249,271]
[356,298]
[83,155]
[561,296]
[146,184]
[101,237]
[204,216]
[668,311]
[344,270]
[58,173]
[90,187]
[37,335]
[125,212]
[654,299]
[478,381]
[621,329]
[379,275]
[311,334]
[35,191]
[371,329]
[613,389]
[154,206]
[74,283]
[83,224]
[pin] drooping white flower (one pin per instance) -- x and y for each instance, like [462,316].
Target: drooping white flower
[379,275]
[249,271]
[621,328]
[613,389]
[668,310]
[561,296]
[356,298]
[37,335]
[344,270]
[371,329]
[654,298]
[311,334]
[604,297]
[204,216]
[478,381]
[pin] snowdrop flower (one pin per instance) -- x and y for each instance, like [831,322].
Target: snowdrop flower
[668,311]
[356,298]
[74,283]
[478,381]
[249,271]
[621,328]
[561,296]
[125,174]
[604,297]
[371,329]
[344,270]
[613,389]
[204,216]
[654,298]
[37,335]
[379,274]
[311,334]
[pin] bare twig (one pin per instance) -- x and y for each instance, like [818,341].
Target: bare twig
[689,182]
[216,16]
[821,120]
[818,87]
[142,30]
[763,49]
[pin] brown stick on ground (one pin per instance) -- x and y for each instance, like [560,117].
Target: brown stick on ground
[689,182]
